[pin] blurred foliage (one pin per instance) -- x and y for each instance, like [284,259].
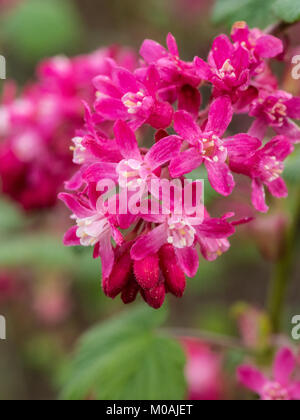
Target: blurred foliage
[114,358]
[288,10]
[36,29]
[254,12]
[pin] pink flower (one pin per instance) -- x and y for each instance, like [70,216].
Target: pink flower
[173,71]
[203,371]
[259,44]
[228,69]
[265,167]
[207,146]
[95,226]
[276,109]
[280,387]
[125,97]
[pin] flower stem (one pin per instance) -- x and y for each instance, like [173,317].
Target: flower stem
[283,271]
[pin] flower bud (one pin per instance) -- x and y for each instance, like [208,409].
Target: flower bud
[147,272]
[173,274]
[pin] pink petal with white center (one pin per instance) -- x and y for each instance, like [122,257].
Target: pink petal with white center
[252,378]
[222,50]
[111,108]
[203,69]
[185,163]
[220,116]
[278,188]
[186,127]
[220,177]
[75,206]
[126,141]
[150,243]
[189,100]
[152,51]
[241,144]
[215,228]
[70,238]
[188,260]
[284,366]
[163,151]
[100,171]
[268,46]
[172,45]
[259,196]
[107,254]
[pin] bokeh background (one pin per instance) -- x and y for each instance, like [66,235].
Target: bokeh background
[50,294]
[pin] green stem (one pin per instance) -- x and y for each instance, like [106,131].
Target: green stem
[283,271]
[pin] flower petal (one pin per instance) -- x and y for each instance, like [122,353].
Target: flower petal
[110,108]
[99,171]
[107,255]
[252,378]
[268,46]
[150,243]
[172,45]
[74,205]
[203,69]
[188,260]
[70,238]
[186,127]
[293,108]
[222,50]
[215,228]
[152,51]
[126,141]
[278,188]
[294,391]
[241,144]
[163,151]
[220,116]
[220,177]
[185,163]
[259,196]
[284,366]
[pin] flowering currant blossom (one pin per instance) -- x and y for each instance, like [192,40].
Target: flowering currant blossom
[280,387]
[124,97]
[207,146]
[259,44]
[276,110]
[120,204]
[265,168]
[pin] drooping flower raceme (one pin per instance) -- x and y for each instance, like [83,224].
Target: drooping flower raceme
[280,387]
[131,197]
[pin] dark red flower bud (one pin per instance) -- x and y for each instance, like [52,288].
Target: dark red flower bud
[130,291]
[119,276]
[155,297]
[173,274]
[147,271]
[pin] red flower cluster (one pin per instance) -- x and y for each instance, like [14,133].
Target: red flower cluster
[151,252]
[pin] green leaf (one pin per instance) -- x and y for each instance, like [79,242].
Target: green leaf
[126,359]
[36,29]
[256,13]
[287,10]
[11,218]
